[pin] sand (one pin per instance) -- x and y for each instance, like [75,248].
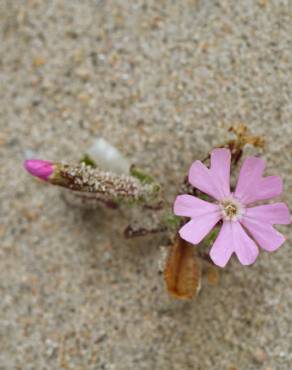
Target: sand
[162,81]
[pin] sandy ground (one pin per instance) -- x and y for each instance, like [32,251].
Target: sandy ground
[161,80]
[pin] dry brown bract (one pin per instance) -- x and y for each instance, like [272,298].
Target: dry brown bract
[243,138]
[182,273]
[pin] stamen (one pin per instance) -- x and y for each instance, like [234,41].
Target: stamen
[231,209]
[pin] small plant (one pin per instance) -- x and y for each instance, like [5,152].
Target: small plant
[224,218]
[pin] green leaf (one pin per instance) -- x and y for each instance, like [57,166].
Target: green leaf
[172,221]
[210,238]
[143,177]
[86,159]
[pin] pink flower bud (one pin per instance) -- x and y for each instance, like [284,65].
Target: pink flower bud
[39,168]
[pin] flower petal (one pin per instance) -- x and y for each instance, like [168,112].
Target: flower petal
[252,187]
[196,229]
[269,187]
[213,181]
[264,234]
[277,213]
[201,178]
[251,171]
[220,168]
[233,238]
[190,206]
[245,248]
[222,248]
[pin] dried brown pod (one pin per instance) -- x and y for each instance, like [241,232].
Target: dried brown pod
[182,273]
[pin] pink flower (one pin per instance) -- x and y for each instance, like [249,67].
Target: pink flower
[244,226]
[39,168]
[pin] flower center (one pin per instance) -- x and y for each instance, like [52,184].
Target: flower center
[231,209]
